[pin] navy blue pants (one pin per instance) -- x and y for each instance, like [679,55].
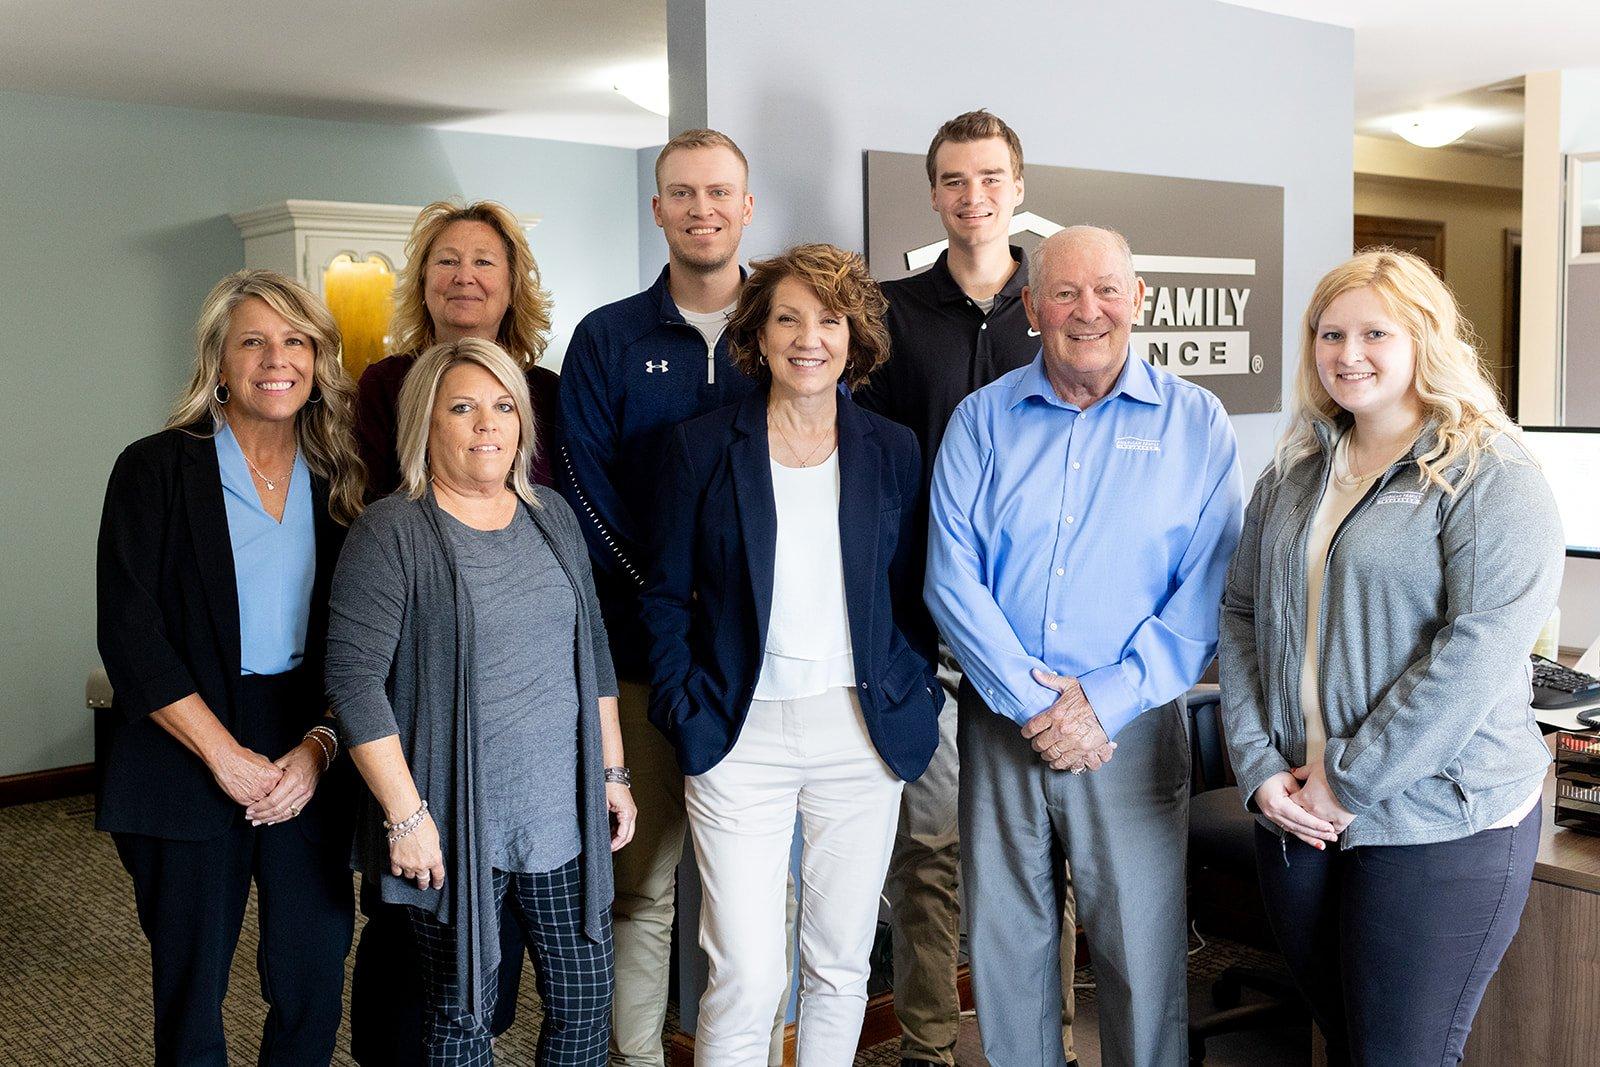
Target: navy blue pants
[572,971]
[1393,945]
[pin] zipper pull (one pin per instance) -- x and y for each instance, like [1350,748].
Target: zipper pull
[711,364]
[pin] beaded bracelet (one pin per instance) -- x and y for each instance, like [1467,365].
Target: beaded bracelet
[327,756]
[620,775]
[405,827]
[332,737]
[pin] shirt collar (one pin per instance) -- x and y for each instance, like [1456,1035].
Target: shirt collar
[944,283]
[1136,382]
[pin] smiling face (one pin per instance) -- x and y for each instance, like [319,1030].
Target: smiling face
[702,207]
[975,190]
[805,344]
[1365,359]
[473,432]
[267,364]
[467,284]
[1083,304]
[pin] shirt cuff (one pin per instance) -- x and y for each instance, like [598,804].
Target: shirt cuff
[1114,701]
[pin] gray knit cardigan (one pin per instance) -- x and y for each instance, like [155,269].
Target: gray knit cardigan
[400,632]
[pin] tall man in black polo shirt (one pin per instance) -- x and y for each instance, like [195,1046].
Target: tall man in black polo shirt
[955,327]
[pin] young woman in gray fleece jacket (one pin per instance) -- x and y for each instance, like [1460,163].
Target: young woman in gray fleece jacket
[1398,559]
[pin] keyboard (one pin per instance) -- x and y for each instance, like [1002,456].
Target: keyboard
[1555,686]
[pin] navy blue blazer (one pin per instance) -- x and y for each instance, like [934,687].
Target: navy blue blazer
[709,598]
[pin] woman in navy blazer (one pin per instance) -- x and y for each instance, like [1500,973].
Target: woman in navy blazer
[216,553]
[791,655]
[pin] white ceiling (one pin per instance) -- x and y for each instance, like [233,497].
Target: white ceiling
[538,68]
[1414,53]
[545,68]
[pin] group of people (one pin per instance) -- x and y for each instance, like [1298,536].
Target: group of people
[926,566]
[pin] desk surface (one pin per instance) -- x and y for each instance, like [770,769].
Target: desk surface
[1566,857]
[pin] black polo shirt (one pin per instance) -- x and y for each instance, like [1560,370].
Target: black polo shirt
[942,348]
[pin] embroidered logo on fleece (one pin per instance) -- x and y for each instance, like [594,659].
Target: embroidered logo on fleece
[653,365]
[1138,444]
[1400,496]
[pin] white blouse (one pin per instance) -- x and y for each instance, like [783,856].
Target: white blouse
[808,637]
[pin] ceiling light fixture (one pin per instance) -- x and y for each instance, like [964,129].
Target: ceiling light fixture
[646,87]
[1434,129]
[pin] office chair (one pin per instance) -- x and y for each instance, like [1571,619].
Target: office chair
[1222,871]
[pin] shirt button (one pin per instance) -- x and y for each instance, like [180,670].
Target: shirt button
[1068,520]
[1060,571]
[1080,416]
[985,326]
[863,685]
[1052,626]
[1076,464]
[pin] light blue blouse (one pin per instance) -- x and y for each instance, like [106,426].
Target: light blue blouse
[274,564]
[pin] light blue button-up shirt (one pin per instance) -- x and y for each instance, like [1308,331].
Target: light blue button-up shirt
[1090,543]
[274,564]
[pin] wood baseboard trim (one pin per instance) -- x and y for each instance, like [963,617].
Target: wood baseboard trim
[879,1025]
[52,784]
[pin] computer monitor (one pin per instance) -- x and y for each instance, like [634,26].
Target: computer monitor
[1570,456]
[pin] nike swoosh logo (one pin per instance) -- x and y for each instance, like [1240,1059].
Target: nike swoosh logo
[1032,332]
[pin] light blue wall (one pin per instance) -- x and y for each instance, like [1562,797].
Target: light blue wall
[113,224]
[1187,88]
[652,245]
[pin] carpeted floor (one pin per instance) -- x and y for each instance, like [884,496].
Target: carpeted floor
[74,966]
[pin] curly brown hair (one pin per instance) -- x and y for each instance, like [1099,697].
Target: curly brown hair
[841,282]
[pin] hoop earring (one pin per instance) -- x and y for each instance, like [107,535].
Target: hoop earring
[221,394]
[316,395]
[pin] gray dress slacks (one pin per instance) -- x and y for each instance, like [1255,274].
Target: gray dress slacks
[1124,831]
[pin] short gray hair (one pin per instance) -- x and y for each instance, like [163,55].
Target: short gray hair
[414,414]
[1077,233]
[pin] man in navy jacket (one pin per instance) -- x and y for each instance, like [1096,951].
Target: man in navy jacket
[633,371]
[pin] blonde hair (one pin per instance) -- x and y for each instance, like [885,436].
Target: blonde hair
[525,328]
[414,412]
[1458,400]
[323,429]
[699,138]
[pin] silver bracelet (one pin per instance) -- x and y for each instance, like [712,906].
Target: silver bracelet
[620,775]
[333,739]
[327,757]
[406,827]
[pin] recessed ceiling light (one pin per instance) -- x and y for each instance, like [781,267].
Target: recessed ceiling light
[1434,129]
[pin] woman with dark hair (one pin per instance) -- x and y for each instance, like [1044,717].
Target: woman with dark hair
[1398,559]
[217,546]
[791,654]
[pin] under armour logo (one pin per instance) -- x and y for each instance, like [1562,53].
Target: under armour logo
[653,365]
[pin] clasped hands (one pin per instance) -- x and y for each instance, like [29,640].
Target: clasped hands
[1301,802]
[1067,735]
[270,791]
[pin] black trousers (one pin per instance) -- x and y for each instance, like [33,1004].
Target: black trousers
[573,973]
[191,898]
[387,995]
[1393,946]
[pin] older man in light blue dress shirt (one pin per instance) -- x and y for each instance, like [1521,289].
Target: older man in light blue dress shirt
[1084,511]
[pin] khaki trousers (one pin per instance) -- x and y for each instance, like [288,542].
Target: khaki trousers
[646,876]
[923,889]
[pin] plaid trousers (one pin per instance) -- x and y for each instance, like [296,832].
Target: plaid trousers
[573,974]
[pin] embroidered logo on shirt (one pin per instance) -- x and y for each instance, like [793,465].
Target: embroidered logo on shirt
[1400,496]
[1138,444]
[653,365]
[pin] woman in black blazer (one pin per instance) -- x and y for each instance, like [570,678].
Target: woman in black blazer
[792,658]
[217,547]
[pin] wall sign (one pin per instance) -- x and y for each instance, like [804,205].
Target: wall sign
[1211,255]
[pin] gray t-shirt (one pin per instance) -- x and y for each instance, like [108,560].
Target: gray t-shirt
[525,691]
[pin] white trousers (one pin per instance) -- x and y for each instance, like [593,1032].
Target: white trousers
[810,757]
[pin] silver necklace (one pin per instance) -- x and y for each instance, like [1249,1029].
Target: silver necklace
[271,483]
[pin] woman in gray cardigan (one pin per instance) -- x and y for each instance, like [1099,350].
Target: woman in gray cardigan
[1397,562]
[468,667]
